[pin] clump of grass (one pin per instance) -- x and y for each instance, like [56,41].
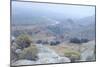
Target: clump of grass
[29,53]
[72,54]
[24,40]
[24,37]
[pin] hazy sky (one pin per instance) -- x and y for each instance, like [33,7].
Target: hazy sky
[68,10]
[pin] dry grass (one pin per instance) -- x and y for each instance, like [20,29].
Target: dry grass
[69,50]
[29,53]
[63,47]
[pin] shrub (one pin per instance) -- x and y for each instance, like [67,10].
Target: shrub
[39,42]
[57,42]
[45,42]
[84,40]
[24,40]
[78,41]
[54,42]
[29,53]
[75,40]
[73,55]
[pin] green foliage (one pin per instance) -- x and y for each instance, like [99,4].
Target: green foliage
[29,53]
[24,40]
[72,54]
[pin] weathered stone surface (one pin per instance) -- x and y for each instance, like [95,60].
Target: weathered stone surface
[45,56]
